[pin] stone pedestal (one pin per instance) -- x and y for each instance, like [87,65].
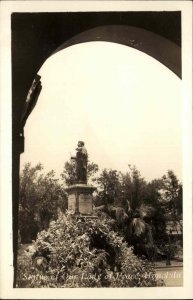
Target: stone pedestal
[80,199]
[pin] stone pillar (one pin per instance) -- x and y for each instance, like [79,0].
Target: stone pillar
[80,199]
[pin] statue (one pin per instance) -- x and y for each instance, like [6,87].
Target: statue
[81,159]
[80,199]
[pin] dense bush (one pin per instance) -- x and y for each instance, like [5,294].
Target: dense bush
[83,252]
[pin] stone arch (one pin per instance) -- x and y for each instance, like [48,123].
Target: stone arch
[160,48]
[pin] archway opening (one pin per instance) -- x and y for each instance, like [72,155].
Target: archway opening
[123,103]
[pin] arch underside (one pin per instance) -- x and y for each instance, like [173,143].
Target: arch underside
[165,51]
[160,48]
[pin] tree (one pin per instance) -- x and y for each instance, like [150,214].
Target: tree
[40,198]
[109,187]
[138,187]
[132,202]
[157,219]
[171,197]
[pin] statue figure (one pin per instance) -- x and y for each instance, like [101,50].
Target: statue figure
[81,159]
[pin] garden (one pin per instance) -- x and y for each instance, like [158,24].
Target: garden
[117,246]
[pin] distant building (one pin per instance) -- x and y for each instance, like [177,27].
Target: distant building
[174,228]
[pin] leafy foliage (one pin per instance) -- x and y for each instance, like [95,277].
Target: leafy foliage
[135,205]
[172,196]
[140,209]
[40,198]
[83,253]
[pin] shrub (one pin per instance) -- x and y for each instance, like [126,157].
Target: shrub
[83,252]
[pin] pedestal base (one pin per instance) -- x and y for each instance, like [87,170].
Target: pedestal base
[80,200]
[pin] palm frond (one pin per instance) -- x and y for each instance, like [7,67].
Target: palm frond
[138,226]
[146,211]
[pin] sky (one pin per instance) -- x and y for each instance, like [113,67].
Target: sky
[124,104]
